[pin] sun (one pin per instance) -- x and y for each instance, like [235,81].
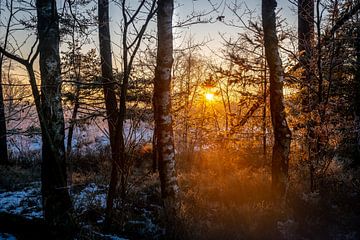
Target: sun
[209,96]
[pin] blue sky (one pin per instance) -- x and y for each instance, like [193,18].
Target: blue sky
[212,31]
[199,32]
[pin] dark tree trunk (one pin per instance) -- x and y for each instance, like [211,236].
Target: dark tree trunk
[305,46]
[162,101]
[76,64]
[110,98]
[56,200]
[130,48]
[73,121]
[282,134]
[308,98]
[4,158]
[305,28]
[357,98]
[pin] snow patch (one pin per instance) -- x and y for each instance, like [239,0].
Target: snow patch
[26,202]
[6,236]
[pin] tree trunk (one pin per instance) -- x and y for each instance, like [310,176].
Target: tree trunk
[305,46]
[56,199]
[73,121]
[357,98]
[308,98]
[162,101]
[4,158]
[282,134]
[305,28]
[110,98]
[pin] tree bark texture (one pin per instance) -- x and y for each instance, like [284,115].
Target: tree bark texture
[4,158]
[357,99]
[305,27]
[110,99]
[56,200]
[282,134]
[162,102]
[305,46]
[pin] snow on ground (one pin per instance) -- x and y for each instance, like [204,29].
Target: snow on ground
[26,202]
[92,195]
[86,137]
[6,236]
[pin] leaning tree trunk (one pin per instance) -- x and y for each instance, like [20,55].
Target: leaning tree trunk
[56,200]
[162,102]
[110,99]
[282,134]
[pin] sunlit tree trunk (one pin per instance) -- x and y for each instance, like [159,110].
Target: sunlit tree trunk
[56,200]
[110,98]
[282,134]
[162,101]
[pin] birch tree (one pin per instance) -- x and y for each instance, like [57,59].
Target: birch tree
[56,200]
[282,134]
[162,108]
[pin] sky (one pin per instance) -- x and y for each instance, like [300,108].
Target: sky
[212,31]
[209,32]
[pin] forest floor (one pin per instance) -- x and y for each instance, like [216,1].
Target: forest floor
[222,198]
[225,193]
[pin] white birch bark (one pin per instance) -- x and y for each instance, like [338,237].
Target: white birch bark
[162,105]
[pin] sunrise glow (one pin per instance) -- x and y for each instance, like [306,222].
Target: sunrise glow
[209,96]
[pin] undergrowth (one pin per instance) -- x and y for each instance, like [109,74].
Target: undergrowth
[225,194]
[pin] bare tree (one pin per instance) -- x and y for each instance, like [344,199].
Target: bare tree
[56,200]
[133,33]
[162,102]
[282,134]
[109,94]
[57,204]
[305,41]
[4,158]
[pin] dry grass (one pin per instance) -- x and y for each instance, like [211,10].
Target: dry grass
[227,196]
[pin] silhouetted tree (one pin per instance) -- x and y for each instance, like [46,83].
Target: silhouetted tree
[56,200]
[282,134]
[110,97]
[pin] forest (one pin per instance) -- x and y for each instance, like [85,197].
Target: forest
[170,119]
